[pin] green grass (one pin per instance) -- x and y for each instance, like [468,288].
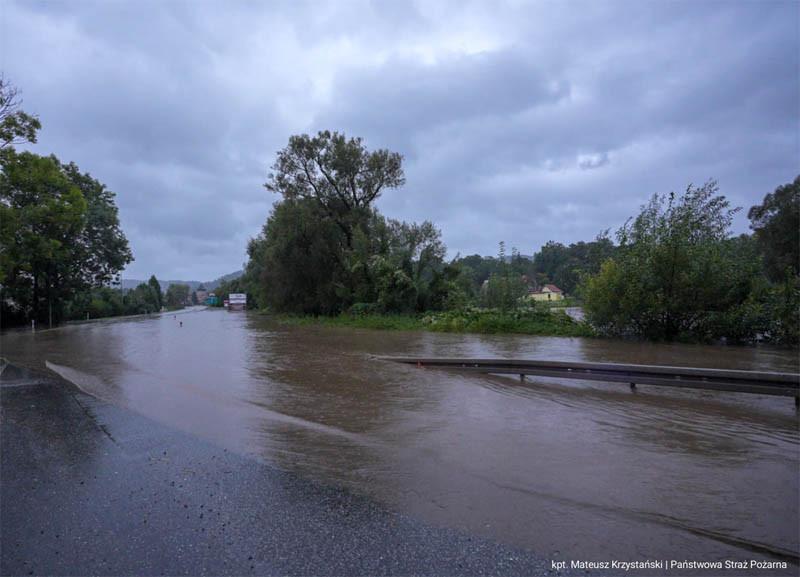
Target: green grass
[470,321]
[373,321]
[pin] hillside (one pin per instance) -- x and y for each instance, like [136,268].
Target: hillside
[128,283]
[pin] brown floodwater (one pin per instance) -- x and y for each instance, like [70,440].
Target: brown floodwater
[570,469]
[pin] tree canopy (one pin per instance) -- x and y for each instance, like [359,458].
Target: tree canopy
[60,237]
[776,224]
[60,234]
[678,274]
[16,126]
[567,266]
[177,295]
[325,249]
[338,173]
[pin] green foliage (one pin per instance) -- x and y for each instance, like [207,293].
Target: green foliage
[677,274]
[42,215]
[476,270]
[96,303]
[60,234]
[155,289]
[531,321]
[776,224]
[301,264]
[60,240]
[503,289]
[102,245]
[16,126]
[783,302]
[324,246]
[337,173]
[177,295]
[141,300]
[378,321]
[567,266]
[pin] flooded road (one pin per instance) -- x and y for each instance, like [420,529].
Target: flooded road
[569,469]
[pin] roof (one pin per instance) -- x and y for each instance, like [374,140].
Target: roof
[548,288]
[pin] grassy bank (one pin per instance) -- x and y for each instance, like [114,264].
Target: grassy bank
[478,321]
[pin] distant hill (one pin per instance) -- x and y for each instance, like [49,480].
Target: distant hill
[211,285]
[129,283]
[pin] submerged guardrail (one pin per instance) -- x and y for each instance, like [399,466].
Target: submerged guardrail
[755,382]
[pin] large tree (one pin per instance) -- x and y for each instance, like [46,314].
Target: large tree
[103,248]
[177,295]
[42,215]
[299,260]
[60,234]
[326,249]
[676,271]
[776,224]
[155,287]
[336,172]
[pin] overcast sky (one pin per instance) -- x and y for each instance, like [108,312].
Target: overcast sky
[518,121]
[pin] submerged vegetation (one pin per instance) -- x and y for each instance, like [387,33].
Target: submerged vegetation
[473,320]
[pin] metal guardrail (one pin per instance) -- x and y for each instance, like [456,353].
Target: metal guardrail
[756,382]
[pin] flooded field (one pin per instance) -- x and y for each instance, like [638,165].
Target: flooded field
[569,469]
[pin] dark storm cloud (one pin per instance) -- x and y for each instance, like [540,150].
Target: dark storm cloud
[649,101]
[520,122]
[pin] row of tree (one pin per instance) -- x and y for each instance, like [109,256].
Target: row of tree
[675,271]
[108,301]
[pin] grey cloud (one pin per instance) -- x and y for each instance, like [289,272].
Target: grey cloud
[518,122]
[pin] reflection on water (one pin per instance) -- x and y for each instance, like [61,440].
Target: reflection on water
[588,470]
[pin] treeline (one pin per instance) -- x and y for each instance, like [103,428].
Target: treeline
[565,266]
[145,298]
[61,245]
[674,272]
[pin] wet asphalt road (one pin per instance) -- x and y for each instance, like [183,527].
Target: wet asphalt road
[90,488]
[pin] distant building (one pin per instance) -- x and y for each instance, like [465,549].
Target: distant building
[211,300]
[237,301]
[548,292]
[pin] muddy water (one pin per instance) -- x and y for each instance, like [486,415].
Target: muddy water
[569,469]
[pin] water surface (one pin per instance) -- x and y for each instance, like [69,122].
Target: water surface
[570,469]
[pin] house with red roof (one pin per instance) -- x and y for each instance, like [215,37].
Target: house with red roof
[548,292]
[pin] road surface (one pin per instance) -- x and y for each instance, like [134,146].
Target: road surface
[91,488]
